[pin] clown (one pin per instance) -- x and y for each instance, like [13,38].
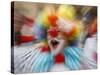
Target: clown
[57,49]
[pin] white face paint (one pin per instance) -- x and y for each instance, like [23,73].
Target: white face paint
[57,44]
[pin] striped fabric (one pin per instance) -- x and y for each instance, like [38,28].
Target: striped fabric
[73,58]
[32,59]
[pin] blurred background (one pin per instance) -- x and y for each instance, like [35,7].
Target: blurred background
[26,14]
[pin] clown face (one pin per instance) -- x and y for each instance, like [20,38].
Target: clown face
[56,40]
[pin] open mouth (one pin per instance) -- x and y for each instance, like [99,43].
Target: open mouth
[54,43]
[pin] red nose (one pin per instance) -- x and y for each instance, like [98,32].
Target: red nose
[53,32]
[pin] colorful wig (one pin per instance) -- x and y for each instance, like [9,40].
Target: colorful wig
[61,18]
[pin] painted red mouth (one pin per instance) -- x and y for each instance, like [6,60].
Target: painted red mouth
[54,43]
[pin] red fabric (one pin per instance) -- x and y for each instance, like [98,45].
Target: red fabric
[45,49]
[27,39]
[59,58]
[93,28]
[28,21]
